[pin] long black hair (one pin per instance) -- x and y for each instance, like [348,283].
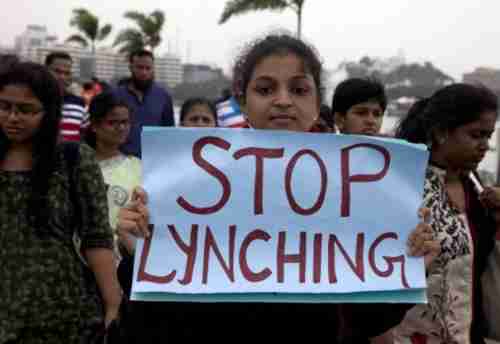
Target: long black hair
[449,108]
[100,106]
[46,89]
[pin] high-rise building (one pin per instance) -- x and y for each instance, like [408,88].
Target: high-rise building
[35,43]
[196,73]
[33,38]
[168,70]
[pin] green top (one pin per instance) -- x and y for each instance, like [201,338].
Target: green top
[41,276]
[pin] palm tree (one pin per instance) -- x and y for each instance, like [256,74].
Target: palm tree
[148,33]
[237,7]
[88,25]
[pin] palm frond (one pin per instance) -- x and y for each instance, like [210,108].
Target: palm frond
[104,32]
[85,22]
[130,40]
[77,39]
[238,7]
[150,26]
[139,18]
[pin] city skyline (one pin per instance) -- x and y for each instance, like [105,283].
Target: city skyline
[456,36]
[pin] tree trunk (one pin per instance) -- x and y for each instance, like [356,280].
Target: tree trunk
[299,22]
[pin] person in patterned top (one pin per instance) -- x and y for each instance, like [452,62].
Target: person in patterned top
[456,124]
[44,295]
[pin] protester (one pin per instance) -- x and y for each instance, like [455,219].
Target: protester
[198,113]
[456,124]
[110,121]
[358,106]
[325,122]
[150,103]
[44,296]
[88,93]
[280,89]
[7,60]
[74,117]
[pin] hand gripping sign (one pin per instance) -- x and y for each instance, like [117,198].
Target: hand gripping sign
[247,215]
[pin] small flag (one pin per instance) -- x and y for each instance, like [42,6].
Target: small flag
[229,114]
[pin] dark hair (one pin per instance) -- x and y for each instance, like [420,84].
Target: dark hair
[57,55]
[449,108]
[140,53]
[274,44]
[355,91]
[7,61]
[192,102]
[87,86]
[46,89]
[99,108]
[326,114]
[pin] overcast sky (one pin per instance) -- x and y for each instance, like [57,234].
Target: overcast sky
[455,35]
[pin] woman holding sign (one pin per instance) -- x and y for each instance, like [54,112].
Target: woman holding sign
[456,123]
[280,88]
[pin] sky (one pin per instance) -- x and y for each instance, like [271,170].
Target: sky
[455,35]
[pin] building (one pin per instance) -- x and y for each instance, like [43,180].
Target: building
[488,77]
[4,50]
[33,38]
[35,43]
[198,73]
[168,70]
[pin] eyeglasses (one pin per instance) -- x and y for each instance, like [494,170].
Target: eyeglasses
[116,123]
[22,109]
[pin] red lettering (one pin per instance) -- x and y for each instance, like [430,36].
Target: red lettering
[358,268]
[283,258]
[211,244]
[189,251]
[389,260]
[288,183]
[245,269]
[347,179]
[318,243]
[213,171]
[142,274]
[260,154]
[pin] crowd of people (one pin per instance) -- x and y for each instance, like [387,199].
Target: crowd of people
[71,205]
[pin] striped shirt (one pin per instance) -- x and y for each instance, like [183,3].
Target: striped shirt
[74,118]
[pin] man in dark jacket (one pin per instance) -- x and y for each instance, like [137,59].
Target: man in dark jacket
[151,105]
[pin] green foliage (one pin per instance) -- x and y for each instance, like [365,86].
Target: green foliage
[238,7]
[89,28]
[146,35]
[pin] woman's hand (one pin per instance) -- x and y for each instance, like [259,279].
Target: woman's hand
[421,241]
[112,312]
[490,197]
[134,218]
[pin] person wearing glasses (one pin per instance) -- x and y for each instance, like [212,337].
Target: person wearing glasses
[44,295]
[110,122]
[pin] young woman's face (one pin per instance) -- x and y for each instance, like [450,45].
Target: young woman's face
[282,95]
[114,128]
[361,119]
[466,146]
[21,113]
[199,116]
